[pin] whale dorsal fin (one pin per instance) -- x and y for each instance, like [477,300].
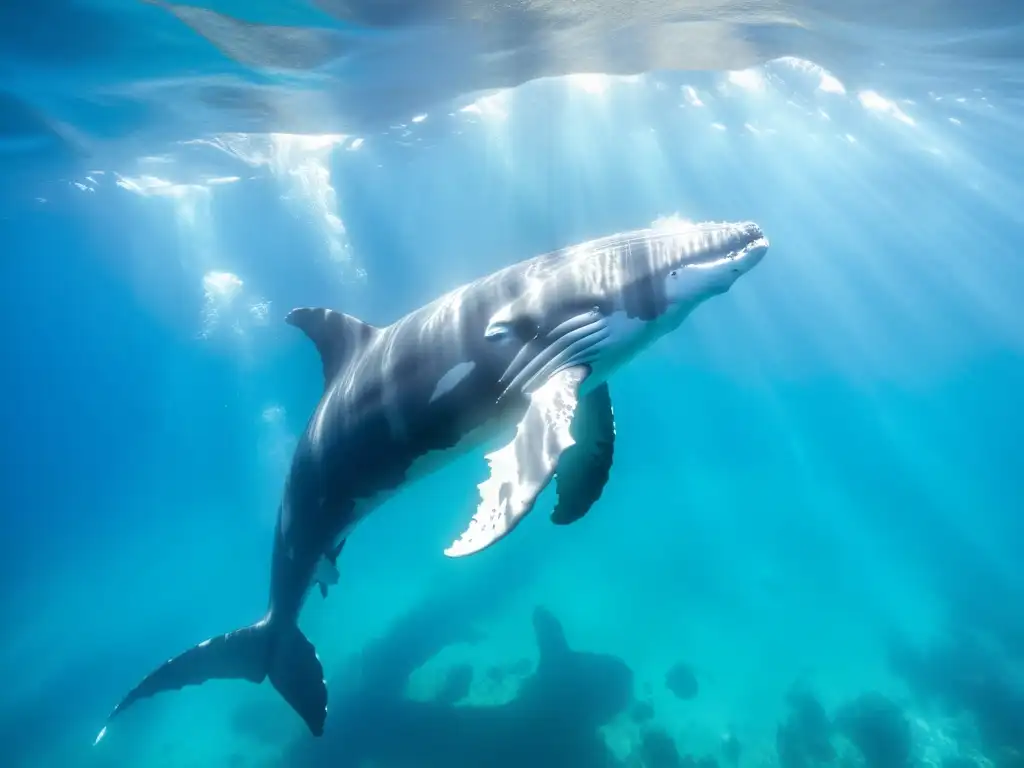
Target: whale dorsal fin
[338,337]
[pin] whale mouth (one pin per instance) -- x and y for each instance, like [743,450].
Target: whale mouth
[752,252]
[743,250]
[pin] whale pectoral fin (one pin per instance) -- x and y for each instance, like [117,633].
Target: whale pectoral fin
[524,467]
[583,469]
[338,337]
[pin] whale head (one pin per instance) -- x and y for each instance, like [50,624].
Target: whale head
[610,298]
[676,267]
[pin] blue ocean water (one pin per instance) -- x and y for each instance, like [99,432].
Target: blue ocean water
[809,549]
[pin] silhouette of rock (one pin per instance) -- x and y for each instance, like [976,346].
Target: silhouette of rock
[496,673]
[682,681]
[658,750]
[518,668]
[878,728]
[960,674]
[731,749]
[553,721]
[413,640]
[456,684]
[641,712]
[804,738]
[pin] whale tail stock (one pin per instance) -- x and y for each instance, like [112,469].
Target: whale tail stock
[268,648]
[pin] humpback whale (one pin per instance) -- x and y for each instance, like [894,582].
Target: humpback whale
[527,352]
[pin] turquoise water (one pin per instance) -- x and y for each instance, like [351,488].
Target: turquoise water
[809,549]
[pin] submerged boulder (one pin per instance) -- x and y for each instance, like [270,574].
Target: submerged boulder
[641,711]
[877,726]
[731,749]
[682,681]
[803,740]
[456,684]
[658,750]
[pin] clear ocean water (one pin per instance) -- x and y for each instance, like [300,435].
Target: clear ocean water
[809,550]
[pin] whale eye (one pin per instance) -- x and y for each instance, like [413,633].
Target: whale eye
[674,273]
[523,328]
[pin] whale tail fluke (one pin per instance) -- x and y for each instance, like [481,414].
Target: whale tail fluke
[296,673]
[265,649]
